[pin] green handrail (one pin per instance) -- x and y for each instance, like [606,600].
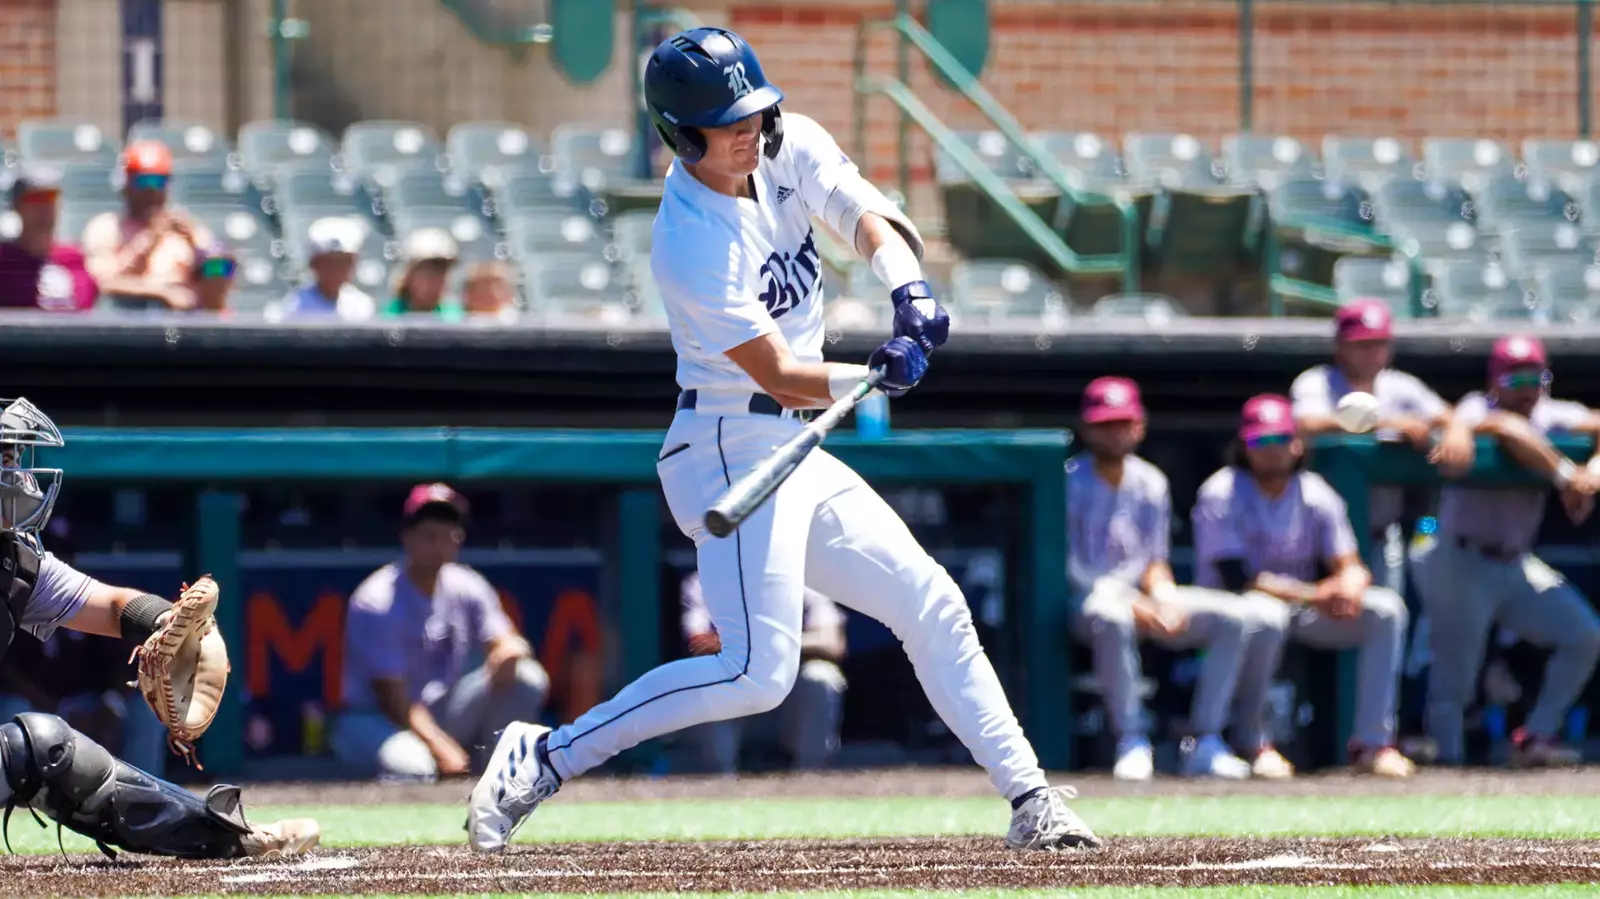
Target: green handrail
[1280,285]
[913,34]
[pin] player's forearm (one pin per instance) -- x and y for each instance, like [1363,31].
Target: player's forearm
[1527,447]
[1285,588]
[1158,582]
[886,249]
[1354,579]
[808,384]
[420,721]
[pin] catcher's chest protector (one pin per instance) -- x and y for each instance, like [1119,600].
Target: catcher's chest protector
[19,572]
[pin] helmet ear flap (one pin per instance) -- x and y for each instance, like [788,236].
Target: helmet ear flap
[688,143]
[772,130]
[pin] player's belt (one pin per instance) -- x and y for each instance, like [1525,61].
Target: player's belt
[760,404]
[1492,553]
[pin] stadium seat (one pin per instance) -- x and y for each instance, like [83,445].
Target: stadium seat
[211,182]
[1198,225]
[1527,247]
[312,191]
[574,286]
[1312,225]
[1386,279]
[265,147]
[1093,167]
[597,164]
[520,192]
[256,285]
[1171,161]
[631,236]
[1266,160]
[1570,287]
[1434,219]
[1480,292]
[1154,308]
[74,217]
[1507,201]
[1569,163]
[975,226]
[474,235]
[1091,162]
[996,291]
[90,182]
[536,234]
[1365,161]
[66,141]
[427,188]
[244,229]
[1469,161]
[640,292]
[476,146]
[186,141]
[380,149]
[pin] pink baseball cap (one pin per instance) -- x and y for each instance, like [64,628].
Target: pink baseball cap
[440,494]
[1112,399]
[1516,351]
[1364,319]
[1266,415]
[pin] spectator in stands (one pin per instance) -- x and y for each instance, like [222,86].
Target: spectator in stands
[83,678]
[1479,569]
[1407,411]
[489,293]
[429,256]
[151,253]
[332,247]
[413,708]
[807,722]
[35,271]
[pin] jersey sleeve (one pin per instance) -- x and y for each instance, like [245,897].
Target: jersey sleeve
[1427,403]
[372,629]
[712,285]
[1159,528]
[1335,537]
[818,161]
[1216,534]
[1310,394]
[58,594]
[493,623]
[1566,415]
[1473,409]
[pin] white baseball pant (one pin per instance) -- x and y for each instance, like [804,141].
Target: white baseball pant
[826,528]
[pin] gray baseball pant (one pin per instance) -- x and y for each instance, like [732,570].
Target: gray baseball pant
[1465,594]
[1237,639]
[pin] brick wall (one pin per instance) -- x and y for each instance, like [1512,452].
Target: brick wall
[1504,70]
[27,61]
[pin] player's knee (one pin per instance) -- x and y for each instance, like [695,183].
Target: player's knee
[1587,637]
[1266,614]
[405,755]
[1385,608]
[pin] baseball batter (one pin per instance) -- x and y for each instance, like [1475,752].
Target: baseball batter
[1479,570]
[1407,410]
[1267,528]
[736,262]
[1119,517]
[48,765]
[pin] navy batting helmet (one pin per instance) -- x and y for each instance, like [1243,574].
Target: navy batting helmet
[708,78]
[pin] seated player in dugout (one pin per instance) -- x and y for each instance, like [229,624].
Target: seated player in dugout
[48,765]
[806,724]
[1479,569]
[413,709]
[1407,410]
[1119,520]
[150,252]
[1265,527]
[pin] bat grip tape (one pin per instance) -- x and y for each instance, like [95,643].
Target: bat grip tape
[140,615]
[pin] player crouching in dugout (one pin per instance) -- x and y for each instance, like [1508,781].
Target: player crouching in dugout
[1119,518]
[1264,526]
[413,709]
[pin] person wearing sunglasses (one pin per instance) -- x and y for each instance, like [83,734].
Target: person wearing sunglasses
[1267,528]
[149,252]
[1479,569]
[1119,521]
[35,271]
[1407,410]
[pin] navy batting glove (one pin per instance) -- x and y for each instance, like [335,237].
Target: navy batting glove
[904,363]
[919,316]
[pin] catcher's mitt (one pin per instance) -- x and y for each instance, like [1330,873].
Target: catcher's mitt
[183,668]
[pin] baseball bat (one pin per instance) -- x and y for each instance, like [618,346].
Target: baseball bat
[747,494]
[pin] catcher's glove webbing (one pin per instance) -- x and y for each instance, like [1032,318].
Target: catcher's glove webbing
[183,668]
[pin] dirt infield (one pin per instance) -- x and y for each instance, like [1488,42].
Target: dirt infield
[933,863]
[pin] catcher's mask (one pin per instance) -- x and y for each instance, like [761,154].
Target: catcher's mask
[27,492]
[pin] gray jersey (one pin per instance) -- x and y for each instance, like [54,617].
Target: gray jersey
[57,596]
[1503,517]
[1317,391]
[1116,531]
[1289,535]
[818,613]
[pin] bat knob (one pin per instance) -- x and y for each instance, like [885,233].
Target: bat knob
[718,524]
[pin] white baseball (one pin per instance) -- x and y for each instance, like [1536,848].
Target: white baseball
[1358,412]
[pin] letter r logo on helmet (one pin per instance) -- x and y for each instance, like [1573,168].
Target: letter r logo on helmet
[708,78]
[737,82]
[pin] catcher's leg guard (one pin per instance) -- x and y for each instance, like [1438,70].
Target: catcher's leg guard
[73,779]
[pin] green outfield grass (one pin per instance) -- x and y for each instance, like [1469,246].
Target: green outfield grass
[1546,816]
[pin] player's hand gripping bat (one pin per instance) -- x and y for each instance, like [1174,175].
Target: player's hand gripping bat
[747,494]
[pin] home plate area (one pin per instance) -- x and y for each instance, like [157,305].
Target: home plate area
[929,863]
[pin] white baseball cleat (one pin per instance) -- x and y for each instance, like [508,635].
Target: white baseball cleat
[1210,757]
[512,786]
[1045,822]
[1135,761]
[295,836]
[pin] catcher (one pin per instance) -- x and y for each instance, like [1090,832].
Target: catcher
[183,665]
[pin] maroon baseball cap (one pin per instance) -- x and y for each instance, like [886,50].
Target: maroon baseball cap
[1364,319]
[1266,415]
[1111,399]
[425,495]
[1516,351]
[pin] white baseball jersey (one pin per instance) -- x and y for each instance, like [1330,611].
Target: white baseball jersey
[731,269]
[1116,531]
[1288,534]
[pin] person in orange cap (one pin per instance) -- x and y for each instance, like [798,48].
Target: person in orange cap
[150,252]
